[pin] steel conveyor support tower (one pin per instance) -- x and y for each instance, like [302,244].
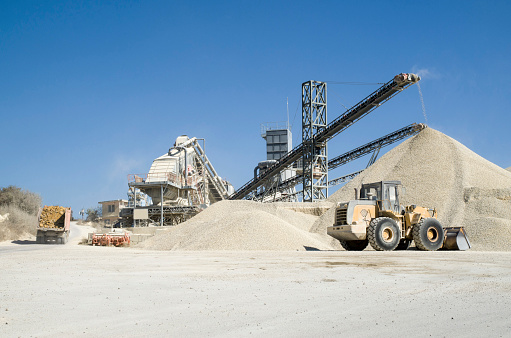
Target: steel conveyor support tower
[315,156]
[361,109]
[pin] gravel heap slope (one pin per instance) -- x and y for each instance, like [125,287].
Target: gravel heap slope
[436,170]
[440,172]
[245,225]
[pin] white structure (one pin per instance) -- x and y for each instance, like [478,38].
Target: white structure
[180,182]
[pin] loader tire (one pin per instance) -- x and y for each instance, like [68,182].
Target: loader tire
[383,234]
[404,244]
[354,245]
[428,234]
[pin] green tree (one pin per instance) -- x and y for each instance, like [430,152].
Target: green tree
[94,213]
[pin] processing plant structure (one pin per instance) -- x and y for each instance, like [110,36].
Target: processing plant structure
[307,164]
[180,184]
[183,181]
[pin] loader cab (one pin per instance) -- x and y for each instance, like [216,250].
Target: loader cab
[385,193]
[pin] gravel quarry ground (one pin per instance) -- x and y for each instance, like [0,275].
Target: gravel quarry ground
[77,290]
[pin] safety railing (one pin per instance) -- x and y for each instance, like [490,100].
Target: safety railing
[162,177]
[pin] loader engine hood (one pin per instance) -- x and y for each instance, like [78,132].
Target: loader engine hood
[345,212]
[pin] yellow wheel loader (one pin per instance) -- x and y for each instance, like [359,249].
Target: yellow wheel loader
[375,217]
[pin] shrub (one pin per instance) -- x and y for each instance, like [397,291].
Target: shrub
[24,200]
[17,224]
[22,207]
[94,214]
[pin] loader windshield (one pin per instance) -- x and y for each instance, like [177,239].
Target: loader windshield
[385,192]
[371,191]
[390,198]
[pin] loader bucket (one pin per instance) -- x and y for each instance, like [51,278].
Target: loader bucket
[456,239]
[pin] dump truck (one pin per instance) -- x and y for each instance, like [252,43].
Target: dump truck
[375,217]
[53,226]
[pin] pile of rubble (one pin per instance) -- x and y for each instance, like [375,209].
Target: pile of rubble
[52,217]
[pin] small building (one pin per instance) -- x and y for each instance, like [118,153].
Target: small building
[111,210]
[279,140]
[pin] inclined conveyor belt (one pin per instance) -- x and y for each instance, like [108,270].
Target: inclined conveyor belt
[352,115]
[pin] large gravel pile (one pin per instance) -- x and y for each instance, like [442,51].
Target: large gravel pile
[440,172]
[246,225]
[508,169]
[436,170]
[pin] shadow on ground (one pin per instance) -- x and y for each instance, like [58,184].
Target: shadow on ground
[23,242]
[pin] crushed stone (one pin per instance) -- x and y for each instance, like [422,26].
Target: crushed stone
[245,225]
[436,170]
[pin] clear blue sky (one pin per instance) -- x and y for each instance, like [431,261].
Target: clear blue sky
[93,91]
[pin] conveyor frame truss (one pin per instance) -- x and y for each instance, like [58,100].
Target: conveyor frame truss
[375,145]
[214,182]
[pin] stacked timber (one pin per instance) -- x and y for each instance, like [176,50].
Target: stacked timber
[52,217]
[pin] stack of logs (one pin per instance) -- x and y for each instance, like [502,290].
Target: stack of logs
[52,217]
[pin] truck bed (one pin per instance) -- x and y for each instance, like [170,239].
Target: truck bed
[53,225]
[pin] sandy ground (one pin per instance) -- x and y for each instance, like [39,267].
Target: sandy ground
[75,290]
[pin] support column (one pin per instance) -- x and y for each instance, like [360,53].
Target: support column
[315,155]
[161,205]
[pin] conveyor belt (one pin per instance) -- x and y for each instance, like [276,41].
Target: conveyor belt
[400,134]
[287,184]
[351,155]
[343,179]
[377,98]
[331,183]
